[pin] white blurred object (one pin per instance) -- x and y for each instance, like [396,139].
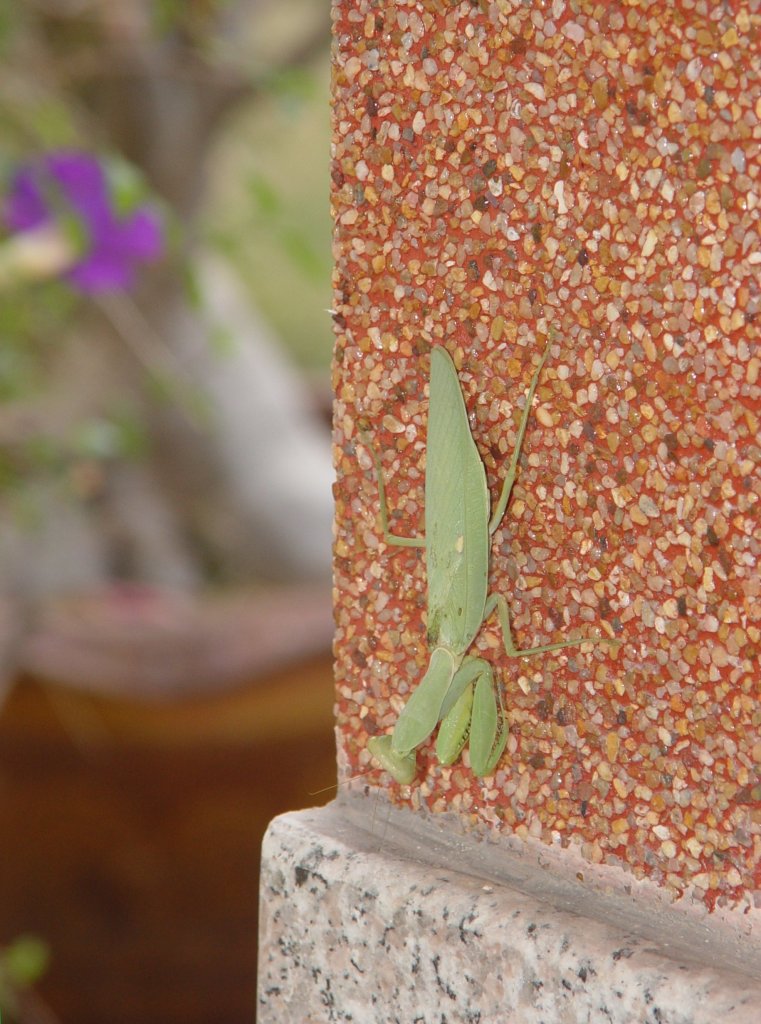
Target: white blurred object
[273,453]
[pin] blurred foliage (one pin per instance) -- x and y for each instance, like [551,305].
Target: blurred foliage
[31,318]
[22,964]
[266,207]
[269,208]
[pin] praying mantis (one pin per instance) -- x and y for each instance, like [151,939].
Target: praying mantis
[458,690]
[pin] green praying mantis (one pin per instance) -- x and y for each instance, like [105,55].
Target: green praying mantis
[458,689]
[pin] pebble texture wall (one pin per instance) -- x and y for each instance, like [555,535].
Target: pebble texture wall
[507,173]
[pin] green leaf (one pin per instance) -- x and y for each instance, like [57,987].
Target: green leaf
[25,960]
[265,196]
[305,256]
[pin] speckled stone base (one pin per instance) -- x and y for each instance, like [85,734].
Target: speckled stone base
[360,923]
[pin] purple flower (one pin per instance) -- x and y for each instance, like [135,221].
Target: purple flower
[74,190]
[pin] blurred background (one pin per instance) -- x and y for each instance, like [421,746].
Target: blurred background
[165,492]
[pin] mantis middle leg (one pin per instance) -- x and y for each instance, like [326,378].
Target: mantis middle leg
[503,614]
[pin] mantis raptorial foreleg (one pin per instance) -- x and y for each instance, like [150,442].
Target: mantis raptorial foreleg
[488,727]
[454,730]
[402,767]
[475,718]
[423,710]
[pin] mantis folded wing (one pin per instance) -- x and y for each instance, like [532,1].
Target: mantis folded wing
[457,691]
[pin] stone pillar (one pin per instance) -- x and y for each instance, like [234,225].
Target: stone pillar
[581,178]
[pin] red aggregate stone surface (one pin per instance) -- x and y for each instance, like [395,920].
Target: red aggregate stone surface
[504,173]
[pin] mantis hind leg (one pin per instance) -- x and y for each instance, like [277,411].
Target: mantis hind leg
[498,601]
[388,536]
